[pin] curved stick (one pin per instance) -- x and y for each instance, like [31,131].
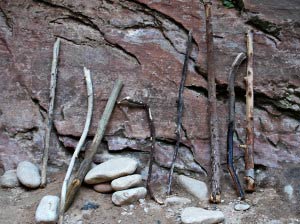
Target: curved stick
[153,142]
[89,86]
[180,109]
[50,112]
[234,68]
[249,162]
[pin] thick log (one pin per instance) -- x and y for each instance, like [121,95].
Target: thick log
[249,161]
[89,86]
[212,109]
[85,165]
[50,112]
[231,124]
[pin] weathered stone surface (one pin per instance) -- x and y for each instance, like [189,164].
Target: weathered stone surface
[103,188]
[126,182]
[28,174]
[146,39]
[194,215]
[128,196]
[194,187]
[110,170]
[9,179]
[178,201]
[47,210]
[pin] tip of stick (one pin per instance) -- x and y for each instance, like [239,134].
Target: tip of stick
[250,184]
[216,199]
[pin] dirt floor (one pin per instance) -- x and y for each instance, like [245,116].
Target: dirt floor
[267,206]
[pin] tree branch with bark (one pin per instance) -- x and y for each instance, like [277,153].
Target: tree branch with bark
[85,165]
[212,108]
[50,112]
[231,124]
[180,105]
[249,161]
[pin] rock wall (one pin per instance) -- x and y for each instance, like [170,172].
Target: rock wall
[142,42]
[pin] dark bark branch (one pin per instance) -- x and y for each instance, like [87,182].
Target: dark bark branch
[249,161]
[180,109]
[50,112]
[231,125]
[85,165]
[212,109]
[153,142]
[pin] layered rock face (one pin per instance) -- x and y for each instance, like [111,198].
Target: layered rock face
[143,43]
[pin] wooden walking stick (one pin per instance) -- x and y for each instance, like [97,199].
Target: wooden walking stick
[212,109]
[249,162]
[50,112]
[85,165]
[89,86]
[153,142]
[180,109]
[231,124]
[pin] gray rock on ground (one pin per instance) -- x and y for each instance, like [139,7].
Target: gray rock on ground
[241,206]
[110,170]
[103,188]
[28,174]
[194,187]
[128,196]
[179,201]
[9,179]
[126,182]
[47,210]
[194,215]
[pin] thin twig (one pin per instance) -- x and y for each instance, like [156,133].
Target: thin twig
[249,162]
[50,112]
[85,165]
[153,142]
[180,109]
[231,125]
[89,86]
[212,109]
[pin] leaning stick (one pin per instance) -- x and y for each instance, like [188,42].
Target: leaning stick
[85,165]
[231,125]
[89,86]
[153,142]
[212,109]
[180,109]
[249,163]
[50,111]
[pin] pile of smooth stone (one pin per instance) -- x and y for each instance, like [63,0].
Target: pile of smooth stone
[117,175]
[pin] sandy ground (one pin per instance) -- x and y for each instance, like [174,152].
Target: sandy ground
[267,206]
